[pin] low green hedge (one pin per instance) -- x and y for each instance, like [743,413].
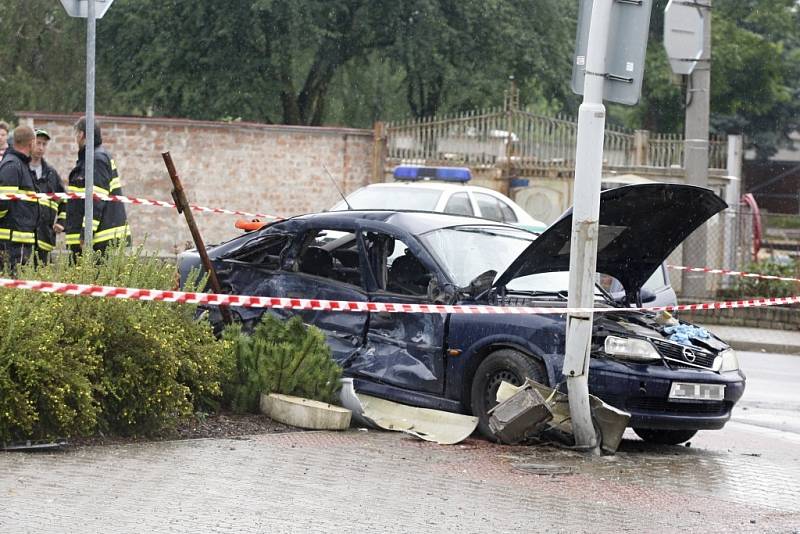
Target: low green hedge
[77,365]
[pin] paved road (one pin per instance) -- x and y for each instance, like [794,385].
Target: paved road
[772,397]
[745,478]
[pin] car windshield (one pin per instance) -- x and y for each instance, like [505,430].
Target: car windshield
[392,198]
[468,251]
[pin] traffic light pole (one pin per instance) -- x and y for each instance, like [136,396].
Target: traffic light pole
[585,215]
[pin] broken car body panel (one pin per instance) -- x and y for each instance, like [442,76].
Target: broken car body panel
[430,360]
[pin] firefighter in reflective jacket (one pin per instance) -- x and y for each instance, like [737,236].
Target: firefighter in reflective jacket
[110,224]
[18,218]
[52,212]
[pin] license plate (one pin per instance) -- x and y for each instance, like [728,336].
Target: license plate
[703,392]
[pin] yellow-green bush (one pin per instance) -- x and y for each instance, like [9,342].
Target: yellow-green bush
[73,365]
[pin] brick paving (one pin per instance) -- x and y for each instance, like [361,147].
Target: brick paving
[383,482]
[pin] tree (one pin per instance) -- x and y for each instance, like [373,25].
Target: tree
[42,60]
[755,75]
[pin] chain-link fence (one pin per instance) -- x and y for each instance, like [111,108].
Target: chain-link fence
[730,241]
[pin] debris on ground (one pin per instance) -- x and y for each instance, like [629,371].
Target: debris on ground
[444,428]
[610,422]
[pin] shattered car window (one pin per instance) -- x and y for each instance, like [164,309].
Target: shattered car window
[264,251]
[395,268]
[331,254]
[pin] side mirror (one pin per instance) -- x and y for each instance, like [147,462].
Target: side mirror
[647,295]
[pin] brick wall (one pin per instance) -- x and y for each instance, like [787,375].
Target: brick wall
[245,166]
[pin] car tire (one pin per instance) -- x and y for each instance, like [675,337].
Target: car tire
[664,437]
[505,364]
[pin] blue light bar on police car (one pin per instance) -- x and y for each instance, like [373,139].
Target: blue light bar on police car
[446,174]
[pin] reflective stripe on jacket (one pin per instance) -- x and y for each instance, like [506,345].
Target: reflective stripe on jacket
[109,218]
[18,218]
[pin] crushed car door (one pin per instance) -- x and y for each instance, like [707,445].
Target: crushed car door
[403,349]
[325,266]
[254,268]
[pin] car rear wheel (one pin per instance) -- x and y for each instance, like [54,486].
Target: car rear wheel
[503,365]
[664,437]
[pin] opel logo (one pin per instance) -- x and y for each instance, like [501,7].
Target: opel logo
[689,355]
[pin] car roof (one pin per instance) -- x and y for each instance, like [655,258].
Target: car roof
[439,186]
[415,222]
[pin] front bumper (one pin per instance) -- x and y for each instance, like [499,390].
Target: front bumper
[643,391]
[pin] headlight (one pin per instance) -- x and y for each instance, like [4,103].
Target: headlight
[631,349]
[729,361]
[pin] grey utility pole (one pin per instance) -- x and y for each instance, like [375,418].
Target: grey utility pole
[91,10]
[609,65]
[698,96]
[88,217]
[585,215]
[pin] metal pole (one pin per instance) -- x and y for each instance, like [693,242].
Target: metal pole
[696,156]
[585,215]
[732,194]
[182,205]
[89,161]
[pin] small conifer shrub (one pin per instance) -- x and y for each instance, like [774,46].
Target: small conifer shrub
[280,357]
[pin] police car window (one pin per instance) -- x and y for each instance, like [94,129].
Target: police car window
[490,208]
[508,213]
[459,204]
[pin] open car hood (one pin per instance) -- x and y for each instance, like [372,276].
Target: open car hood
[640,225]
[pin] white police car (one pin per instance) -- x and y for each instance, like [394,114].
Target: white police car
[443,190]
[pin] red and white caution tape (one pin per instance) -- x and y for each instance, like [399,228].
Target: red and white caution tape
[215,299]
[726,272]
[131,200]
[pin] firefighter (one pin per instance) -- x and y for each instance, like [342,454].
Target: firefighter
[18,218]
[110,224]
[52,212]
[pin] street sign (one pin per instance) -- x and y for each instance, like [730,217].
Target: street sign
[80,8]
[627,43]
[683,35]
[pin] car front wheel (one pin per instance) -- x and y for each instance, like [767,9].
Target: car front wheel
[503,365]
[664,437]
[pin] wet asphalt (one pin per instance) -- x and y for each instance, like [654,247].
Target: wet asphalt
[744,478]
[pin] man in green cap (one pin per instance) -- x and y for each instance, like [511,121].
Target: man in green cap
[52,212]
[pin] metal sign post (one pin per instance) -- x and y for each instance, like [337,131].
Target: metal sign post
[92,10]
[625,50]
[599,82]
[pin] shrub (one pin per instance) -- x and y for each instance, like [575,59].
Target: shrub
[280,357]
[755,287]
[73,365]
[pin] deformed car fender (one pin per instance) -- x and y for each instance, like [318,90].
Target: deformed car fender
[476,336]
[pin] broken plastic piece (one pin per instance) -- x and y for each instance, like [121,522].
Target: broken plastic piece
[522,414]
[441,427]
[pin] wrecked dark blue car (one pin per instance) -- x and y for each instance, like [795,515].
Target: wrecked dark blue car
[456,362]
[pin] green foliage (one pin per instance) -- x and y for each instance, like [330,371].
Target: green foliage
[280,357]
[73,365]
[754,287]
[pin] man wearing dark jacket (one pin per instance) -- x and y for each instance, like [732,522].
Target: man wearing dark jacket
[18,218]
[52,212]
[110,224]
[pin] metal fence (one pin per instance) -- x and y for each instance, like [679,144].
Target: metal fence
[729,245]
[525,140]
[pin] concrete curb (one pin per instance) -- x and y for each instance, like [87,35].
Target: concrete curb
[757,346]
